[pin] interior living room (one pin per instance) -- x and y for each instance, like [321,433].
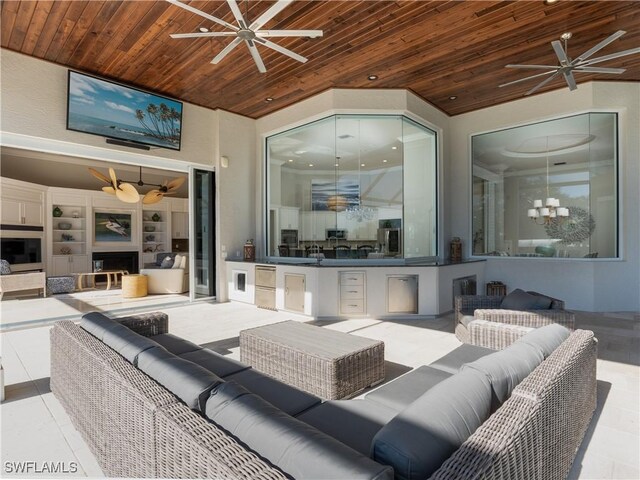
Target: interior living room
[320,239]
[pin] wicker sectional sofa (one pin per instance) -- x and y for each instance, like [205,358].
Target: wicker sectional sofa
[244,425]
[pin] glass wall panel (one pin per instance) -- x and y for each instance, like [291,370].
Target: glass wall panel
[337,189]
[547,189]
[203,205]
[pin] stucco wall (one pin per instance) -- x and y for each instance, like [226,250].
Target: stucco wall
[595,285]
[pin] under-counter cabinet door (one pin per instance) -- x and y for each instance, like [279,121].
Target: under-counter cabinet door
[61,265]
[79,263]
[402,294]
[294,290]
[352,293]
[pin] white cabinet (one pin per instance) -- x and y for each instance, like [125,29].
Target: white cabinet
[179,225]
[315,225]
[22,207]
[365,230]
[289,218]
[294,292]
[68,264]
[352,293]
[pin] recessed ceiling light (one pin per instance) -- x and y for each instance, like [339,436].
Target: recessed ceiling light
[384,161]
[290,160]
[394,148]
[311,164]
[362,165]
[204,29]
[372,77]
[300,152]
[549,2]
[268,99]
[337,165]
[453,97]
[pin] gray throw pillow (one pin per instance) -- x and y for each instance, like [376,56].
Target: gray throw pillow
[519,300]
[5,268]
[167,262]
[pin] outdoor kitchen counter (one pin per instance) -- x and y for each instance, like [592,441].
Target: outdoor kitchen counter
[435,284]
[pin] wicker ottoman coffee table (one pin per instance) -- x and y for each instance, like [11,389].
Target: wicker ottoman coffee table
[326,363]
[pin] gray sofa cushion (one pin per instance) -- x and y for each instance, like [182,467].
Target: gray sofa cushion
[122,339]
[546,339]
[298,449]
[419,439]
[97,324]
[453,361]
[403,391]
[189,382]
[287,398]
[214,362]
[520,300]
[175,345]
[506,369]
[353,422]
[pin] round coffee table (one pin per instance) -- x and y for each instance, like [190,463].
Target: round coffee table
[134,286]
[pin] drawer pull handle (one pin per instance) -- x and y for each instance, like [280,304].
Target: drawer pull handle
[353,306]
[352,291]
[352,278]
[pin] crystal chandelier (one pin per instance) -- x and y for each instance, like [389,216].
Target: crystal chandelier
[551,208]
[360,213]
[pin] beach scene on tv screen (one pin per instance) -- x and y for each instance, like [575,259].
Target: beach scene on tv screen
[111,110]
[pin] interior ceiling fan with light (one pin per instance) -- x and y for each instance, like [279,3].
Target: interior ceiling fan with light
[249,33]
[581,64]
[126,192]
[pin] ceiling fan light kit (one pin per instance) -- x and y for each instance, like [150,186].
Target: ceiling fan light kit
[251,34]
[126,192]
[567,67]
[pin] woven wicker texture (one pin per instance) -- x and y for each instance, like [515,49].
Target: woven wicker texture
[116,408]
[497,336]
[535,434]
[147,324]
[326,363]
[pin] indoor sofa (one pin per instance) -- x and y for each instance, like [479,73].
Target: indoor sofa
[150,404]
[167,277]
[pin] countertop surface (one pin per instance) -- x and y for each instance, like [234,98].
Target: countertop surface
[363,263]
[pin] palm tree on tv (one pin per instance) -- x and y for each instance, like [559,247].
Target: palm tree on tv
[160,122]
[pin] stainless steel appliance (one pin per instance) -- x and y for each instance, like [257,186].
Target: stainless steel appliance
[266,287]
[402,294]
[289,238]
[390,241]
[336,234]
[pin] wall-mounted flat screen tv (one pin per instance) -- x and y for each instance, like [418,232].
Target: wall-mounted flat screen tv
[108,109]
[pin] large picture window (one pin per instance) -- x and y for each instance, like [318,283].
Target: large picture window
[353,187]
[547,189]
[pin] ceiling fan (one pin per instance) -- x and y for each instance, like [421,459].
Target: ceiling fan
[249,33]
[126,192]
[580,64]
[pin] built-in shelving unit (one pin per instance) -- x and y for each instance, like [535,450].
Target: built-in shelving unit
[154,232]
[69,253]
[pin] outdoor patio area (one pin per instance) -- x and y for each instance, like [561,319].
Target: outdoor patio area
[36,428]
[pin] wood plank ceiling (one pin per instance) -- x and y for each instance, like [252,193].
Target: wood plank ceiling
[437,49]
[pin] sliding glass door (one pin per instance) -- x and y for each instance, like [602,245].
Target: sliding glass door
[203,208]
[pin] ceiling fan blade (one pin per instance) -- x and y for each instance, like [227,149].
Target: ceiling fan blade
[175,184]
[527,78]
[237,13]
[256,56]
[560,53]
[153,196]
[225,51]
[533,67]
[290,33]
[114,178]
[109,190]
[542,84]
[202,35]
[127,193]
[599,46]
[269,14]
[99,176]
[189,8]
[623,53]
[571,81]
[278,48]
[588,69]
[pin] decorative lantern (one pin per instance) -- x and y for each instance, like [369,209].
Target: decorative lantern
[249,251]
[455,249]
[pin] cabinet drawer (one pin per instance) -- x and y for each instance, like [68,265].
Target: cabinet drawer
[352,291]
[266,277]
[352,305]
[266,298]
[351,278]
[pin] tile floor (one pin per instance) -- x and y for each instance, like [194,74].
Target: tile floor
[36,428]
